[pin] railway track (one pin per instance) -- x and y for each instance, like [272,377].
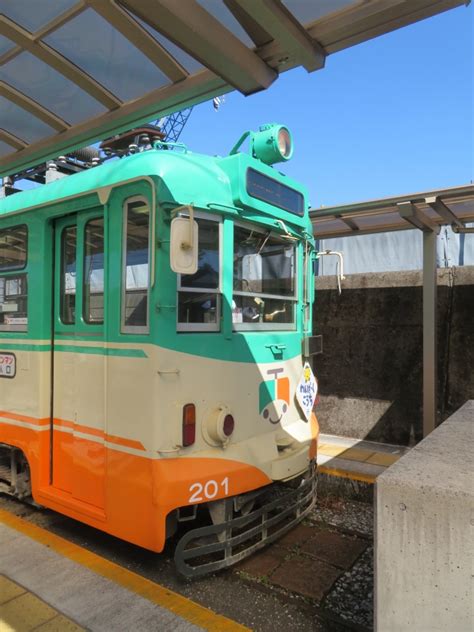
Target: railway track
[317,577]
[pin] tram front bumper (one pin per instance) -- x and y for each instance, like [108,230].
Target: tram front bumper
[287,466]
[279,507]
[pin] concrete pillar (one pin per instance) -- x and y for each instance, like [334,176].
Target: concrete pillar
[424,533]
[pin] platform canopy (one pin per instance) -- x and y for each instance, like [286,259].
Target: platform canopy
[76,71]
[428,210]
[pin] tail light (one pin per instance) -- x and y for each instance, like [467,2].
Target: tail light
[189,424]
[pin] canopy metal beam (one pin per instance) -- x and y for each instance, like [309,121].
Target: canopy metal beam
[273,17]
[195,30]
[412,215]
[359,22]
[11,139]
[440,207]
[351,224]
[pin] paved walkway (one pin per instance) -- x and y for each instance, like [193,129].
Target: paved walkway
[21,610]
[49,584]
[356,459]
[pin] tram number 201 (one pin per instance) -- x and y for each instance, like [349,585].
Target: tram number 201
[207,491]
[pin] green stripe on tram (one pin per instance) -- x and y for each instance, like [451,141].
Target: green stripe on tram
[107,351]
[14,346]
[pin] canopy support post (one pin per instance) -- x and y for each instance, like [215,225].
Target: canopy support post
[430,369]
[430,231]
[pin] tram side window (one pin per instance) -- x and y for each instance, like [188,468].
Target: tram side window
[13,287]
[93,311]
[136,266]
[199,294]
[68,275]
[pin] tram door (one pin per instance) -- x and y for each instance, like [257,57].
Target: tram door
[79,361]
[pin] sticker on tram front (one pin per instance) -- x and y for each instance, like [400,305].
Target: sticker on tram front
[274,396]
[7,365]
[307,390]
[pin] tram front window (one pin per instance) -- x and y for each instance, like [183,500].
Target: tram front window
[264,280]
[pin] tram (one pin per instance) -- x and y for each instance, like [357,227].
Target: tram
[155,338]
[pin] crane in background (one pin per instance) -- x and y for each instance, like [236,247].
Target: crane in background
[173,124]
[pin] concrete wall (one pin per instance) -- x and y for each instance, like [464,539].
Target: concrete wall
[370,374]
[424,533]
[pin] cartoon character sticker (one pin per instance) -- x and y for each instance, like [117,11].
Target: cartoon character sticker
[274,397]
[307,390]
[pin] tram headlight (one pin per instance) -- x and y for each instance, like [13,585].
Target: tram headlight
[218,426]
[272,143]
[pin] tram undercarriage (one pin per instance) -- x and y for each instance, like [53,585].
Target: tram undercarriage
[15,477]
[243,524]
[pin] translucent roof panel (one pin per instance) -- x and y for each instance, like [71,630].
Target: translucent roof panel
[116,63]
[5,45]
[4,148]
[225,17]
[190,64]
[331,226]
[51,89]
[21,124]
[34,14]
[376,221]
[309,10]
[87,69]
[462,208]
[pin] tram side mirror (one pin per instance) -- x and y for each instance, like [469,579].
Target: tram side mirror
[184,245]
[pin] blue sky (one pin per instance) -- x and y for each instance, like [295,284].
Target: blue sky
[393,115]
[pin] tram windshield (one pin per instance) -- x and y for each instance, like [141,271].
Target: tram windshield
[264,280]
[264,269]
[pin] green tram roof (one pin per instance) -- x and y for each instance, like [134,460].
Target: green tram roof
[193,176]
[181,178]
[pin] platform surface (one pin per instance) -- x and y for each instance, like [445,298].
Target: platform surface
[50,584]
[21,610]
[355,459]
